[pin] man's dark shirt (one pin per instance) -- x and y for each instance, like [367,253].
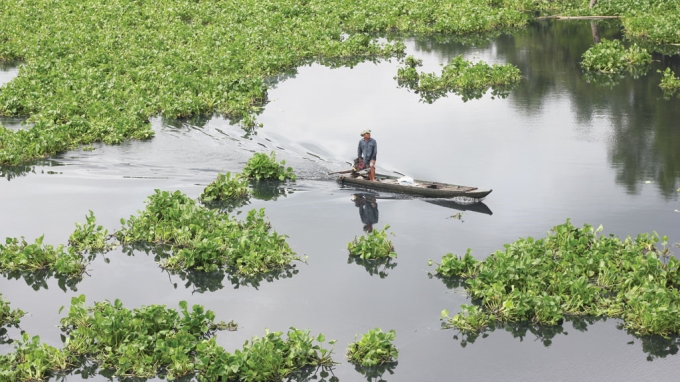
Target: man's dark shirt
[367,150]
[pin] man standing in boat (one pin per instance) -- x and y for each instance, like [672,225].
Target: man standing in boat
[368,150]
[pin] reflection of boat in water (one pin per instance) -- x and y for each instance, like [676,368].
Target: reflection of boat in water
[422,188]
[474,207]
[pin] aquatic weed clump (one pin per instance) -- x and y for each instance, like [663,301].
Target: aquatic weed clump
[670,85]
[373,348]
[154,341]
[267,358]
[7,315]
[375,245]
[90,236]
[205,239]
[138,341]
[655,20]
[225,187]
[572,272]
[611,56]
[19,255]
[264,167]
[101,75]
[32,360]
[461,77]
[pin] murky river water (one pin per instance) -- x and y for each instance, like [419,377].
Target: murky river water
[558,147]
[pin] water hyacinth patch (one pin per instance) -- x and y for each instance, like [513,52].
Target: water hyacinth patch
[375,245]
[32,360]
[225,187]
[7,315]
[90,236]
[572,272]
[138,341]
[154,341]
[264,167]
[269,358]
[19,255]
[670,85]
[655,20]
[99,77]
[610,57]
[461,77]
[373,348]
[206,240]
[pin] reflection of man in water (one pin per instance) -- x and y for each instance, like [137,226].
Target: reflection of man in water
[368,210]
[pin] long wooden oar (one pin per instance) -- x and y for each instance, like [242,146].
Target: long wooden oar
[342,172]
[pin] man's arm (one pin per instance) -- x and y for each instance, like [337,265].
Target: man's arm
[374,154]
[359,150]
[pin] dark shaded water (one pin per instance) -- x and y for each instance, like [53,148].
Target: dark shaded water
[558,147]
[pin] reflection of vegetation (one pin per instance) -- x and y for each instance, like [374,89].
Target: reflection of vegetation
[12,172]
[202,281]
[211,281]
[459,77]
[270,189]
[656,347]
[38,279]
[375,373]
[644,141]
[374,266]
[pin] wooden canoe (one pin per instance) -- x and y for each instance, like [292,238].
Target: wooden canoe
[422,188]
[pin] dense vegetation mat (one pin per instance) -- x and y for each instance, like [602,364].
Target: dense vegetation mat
[207,240]
[96,71]
[154,340]
[572,272]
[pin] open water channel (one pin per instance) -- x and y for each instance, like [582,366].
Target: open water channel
[558,147]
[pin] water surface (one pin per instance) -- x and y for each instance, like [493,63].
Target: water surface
[558,147]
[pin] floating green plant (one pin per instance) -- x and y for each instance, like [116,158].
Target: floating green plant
[610,57]
[375,245]
[226,187]
[572,272]
[179,59]
[19,255]
[138,341]
[90,236]
[373,348]
[670,85]
[155,341]
[7,315]
[32,361]
[459,76]
[205,239]
[264,167]
[269,358]
[655,20]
